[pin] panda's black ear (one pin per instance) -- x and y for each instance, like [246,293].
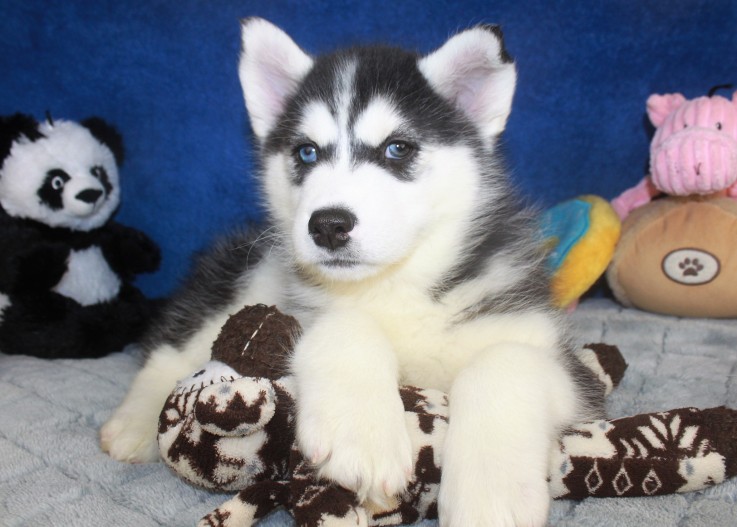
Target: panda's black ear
[107,135]
[12,127]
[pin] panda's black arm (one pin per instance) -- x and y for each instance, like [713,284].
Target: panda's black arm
[129,251]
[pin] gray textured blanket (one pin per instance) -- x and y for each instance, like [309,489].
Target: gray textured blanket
[52,472]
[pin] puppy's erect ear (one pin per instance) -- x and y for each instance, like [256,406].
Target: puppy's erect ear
[474,71]
[271,67]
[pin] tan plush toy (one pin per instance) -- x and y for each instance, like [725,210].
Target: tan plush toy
[679,257]
[230,427]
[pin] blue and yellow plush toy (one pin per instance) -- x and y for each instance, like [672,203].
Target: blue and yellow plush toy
[582,234]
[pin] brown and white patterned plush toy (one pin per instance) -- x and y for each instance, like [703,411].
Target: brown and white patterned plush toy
[230,427]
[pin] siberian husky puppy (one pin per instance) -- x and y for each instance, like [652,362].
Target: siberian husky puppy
[396,239]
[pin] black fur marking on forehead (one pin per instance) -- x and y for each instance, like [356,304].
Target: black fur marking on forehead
[377,71]
[319,85]
[392,73]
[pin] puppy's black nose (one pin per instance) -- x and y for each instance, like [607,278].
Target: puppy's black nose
[330,228]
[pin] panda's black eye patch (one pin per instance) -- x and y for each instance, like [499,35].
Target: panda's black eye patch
[53,185]
[101,174]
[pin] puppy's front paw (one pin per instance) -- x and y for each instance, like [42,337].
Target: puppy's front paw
[479,490]
[508,504]
[364,447]
[130,436]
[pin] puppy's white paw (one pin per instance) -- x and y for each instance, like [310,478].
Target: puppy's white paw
[476,500]
[363,447]
[130,436]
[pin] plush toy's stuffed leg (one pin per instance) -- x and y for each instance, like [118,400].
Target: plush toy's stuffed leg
[647,454]
[319,503]
[313,503]
[249,505]
[637,196]
[606,362]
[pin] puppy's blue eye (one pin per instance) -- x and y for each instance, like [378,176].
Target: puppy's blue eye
[307,154]
[397,150]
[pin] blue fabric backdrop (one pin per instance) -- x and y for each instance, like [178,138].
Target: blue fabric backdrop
[164,72]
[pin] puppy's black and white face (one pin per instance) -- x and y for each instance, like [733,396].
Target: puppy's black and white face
[64,178]
[369,152]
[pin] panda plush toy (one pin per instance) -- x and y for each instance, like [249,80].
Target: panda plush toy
[65,267]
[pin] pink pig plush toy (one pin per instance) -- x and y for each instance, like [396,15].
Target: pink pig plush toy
[693,152]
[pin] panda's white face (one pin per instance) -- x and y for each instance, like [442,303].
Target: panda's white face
[65,179]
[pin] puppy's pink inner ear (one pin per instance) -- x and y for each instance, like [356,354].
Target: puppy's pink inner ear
[473,70]
[270,70]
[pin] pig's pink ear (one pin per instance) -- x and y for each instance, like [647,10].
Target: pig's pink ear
[660,106]
[734,98]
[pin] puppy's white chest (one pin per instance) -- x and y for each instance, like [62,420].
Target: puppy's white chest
[432,346]
[422,337]
[89,279]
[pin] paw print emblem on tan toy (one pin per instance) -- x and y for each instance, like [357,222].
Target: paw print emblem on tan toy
[691,266]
